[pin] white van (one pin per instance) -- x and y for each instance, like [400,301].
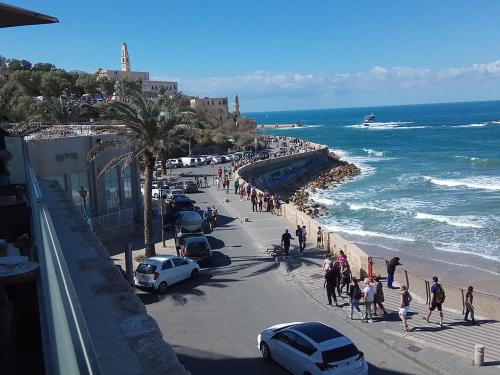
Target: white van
[189,162]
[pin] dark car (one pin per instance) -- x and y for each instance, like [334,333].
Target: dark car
[189,187]
[181,204]
[198,249]
[263,155]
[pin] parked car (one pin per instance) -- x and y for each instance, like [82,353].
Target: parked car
[189,187]
[181,204]
[188,162]
[263,155]
[155,190]
[172,194]
[311,348]
[174,163]
[159,272]
[198,249]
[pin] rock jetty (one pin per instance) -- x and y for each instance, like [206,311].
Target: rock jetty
[333,177]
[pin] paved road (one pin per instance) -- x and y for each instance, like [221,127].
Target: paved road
[212,322]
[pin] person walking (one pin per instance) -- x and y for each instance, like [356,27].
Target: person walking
[285,242]
[330,283]
[205,179]
[327,262]
[261,201]
[207,216]
[379,297]
[404,306]
[249,191]
[298,234]
[437,299]
[253,199]
[304,237]
[345,272]
[469,307]
[354,297]
[236,186]
[341,258]
[227,185]
[242,191]
[368,296]
[391,268]
[319,238]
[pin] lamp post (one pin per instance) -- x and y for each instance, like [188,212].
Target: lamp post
[160,183]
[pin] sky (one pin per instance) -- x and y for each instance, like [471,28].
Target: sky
[277,54]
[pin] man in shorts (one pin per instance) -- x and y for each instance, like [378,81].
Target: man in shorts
[437,295]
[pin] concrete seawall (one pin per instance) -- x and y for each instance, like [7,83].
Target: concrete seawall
[271,174]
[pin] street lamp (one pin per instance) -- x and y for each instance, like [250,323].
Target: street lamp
[83,194]
[160,183]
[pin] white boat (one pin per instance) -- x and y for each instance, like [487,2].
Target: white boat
[369,119]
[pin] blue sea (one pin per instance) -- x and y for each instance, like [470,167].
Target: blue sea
[430,181]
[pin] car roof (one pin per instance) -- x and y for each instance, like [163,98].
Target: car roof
[158,259]
[317,332]
[196,239]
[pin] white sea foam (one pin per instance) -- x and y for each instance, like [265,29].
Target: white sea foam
[471,158]
[478,182]
[496,122]
[370,151]
[322,200]
[358,207]
[456,221]
[367,233]
[454,248]
[476,125]
[359,161]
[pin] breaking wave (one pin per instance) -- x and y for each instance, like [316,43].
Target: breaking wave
[456,221]
[479,182]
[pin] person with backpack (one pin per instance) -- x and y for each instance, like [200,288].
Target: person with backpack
[469,307]
[354,297]
[404,306]
[437,299]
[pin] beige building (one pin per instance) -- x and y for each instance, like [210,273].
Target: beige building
[149,88]
[213,108]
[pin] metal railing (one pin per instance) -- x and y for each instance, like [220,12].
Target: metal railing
[113,220]
[67,346]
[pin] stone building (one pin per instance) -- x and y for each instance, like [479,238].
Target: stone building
[214,109]
[149,88]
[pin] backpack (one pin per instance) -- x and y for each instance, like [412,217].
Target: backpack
[440,295]
[356,294]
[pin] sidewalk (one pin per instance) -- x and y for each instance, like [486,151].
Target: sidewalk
[446,350]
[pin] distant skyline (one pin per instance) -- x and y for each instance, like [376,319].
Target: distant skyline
[277,55]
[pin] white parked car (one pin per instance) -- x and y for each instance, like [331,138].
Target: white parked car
[155,190]
[162,271]
[311,348]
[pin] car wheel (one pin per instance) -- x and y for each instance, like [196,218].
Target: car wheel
[155,195]
[264,350]
[194,273]
[162,288]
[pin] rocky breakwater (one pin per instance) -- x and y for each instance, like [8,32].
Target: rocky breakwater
[301,198]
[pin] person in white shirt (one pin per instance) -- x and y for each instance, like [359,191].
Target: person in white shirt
[327,262]
[368,294]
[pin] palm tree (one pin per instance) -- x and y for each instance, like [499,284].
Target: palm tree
[148,128]
[60,111]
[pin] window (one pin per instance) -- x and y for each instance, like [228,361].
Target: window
[79,180]
[179,262]
[112,190]
[339,354]
[127,184]
[166,265]
[302,345]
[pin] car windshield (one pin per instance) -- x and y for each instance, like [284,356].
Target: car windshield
[196,248]
[148,269]
[339,354]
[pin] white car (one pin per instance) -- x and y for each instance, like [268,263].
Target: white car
[162,271]
[155,190]
[311,348]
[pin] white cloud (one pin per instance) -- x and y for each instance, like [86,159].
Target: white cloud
[382,85]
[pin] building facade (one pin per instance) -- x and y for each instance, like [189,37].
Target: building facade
[113,200]
[214,109]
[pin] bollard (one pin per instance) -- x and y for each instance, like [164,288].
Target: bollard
[478,355]
[129,264]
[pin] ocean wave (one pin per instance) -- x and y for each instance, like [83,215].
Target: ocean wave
[358,207]
[496,122]
[456,221]
[367,233]
[360,162]
[475,125]
[370,151]
[453,248]
[322,200]
[479,182]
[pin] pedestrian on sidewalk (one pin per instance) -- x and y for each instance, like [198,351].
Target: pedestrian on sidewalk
[236,186]
[253,199]
[368,296]
[327,262]
[249,191]
[345,272]
[330,283]
[354,297]
[319,238]
[207,216]
[285,242]
[437,299]
[304,237]
[261,201]
[277,206]
[205,179]
[379,297]
[391,268]
[242,191]
[404,306]
[298,234]
[469,307]
[341,258]
[217,182]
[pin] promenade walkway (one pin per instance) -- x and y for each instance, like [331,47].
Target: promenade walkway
[446,350]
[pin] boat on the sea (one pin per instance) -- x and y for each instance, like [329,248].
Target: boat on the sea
[369,119]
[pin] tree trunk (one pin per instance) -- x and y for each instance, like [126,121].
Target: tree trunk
[149,250]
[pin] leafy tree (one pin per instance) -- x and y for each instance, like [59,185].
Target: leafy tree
[44,67]
[51,85]
[106,85]
[151,127]
[15,65]
[9,96]
[57,111]
[28,81]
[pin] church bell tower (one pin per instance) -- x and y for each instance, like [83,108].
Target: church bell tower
[236,110]
[125,59]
